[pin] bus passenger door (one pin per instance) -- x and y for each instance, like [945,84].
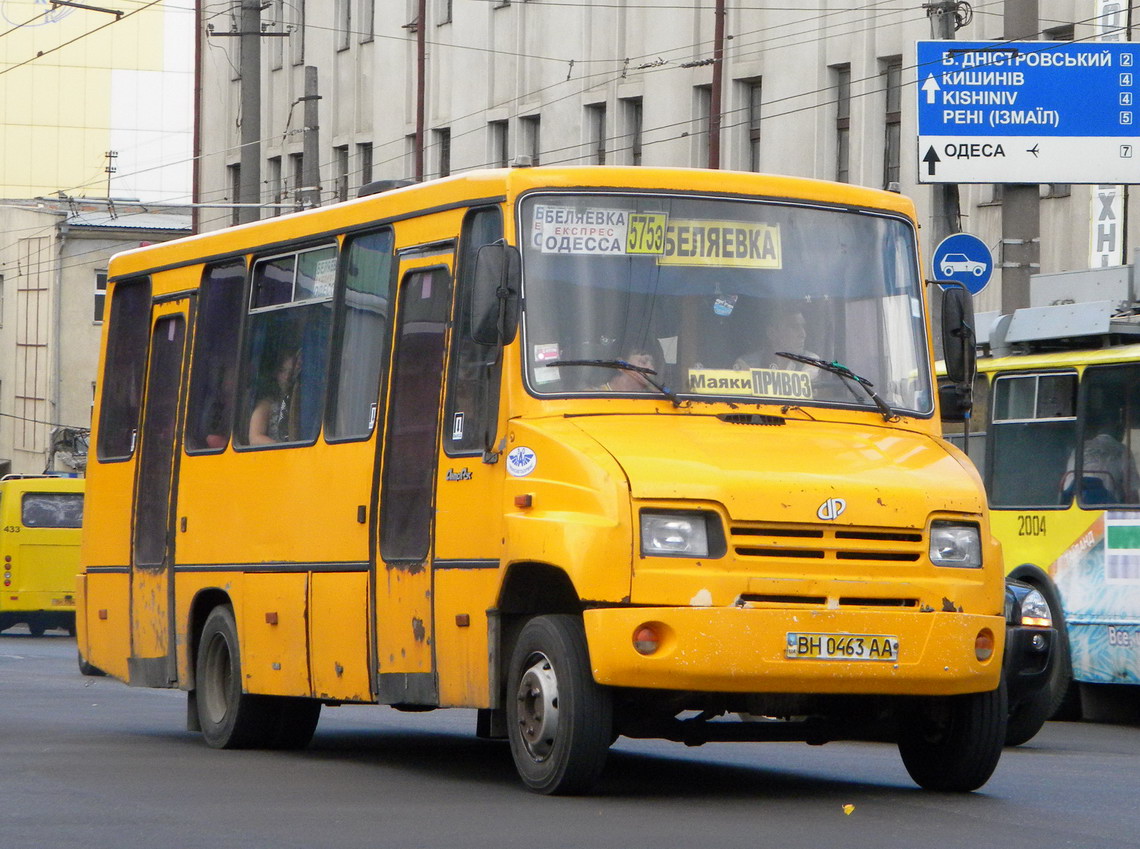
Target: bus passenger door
[152,661]
[404,585]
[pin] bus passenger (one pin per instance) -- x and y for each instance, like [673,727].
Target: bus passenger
[1108,470]
[269,423]
[631,381]
[784,330]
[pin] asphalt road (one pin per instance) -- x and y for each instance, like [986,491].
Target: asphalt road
[91,763]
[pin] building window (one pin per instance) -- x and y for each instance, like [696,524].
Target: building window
[273,178]
[340,155]
[343,13]
[100,294]
[842,78]
[410,155]
[276,42]
[364,157]
[531,128]
[1065,32]
[499,153]
[633,115]
[702,123]
[297,34]
[367,20]
[752,92]
[596,127]
[297,167]
[235,192]
[443,12]
[892,142]
[442,142]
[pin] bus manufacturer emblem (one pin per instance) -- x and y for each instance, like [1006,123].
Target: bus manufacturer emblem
[831,509]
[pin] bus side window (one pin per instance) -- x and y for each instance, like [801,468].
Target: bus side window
[1033,427]
[361,352]
[286,348]
[123,371]
[213,375]
[1107,468]
[473,379]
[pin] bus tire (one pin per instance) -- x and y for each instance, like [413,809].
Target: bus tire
[88,669]
[230,718]
[294,722]
[953,743]
[559,720]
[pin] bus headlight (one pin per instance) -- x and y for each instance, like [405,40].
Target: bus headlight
[681,533]
[952,544]
[1035,610]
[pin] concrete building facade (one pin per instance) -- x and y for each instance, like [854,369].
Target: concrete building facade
[828,91]
[53,264]
[98,100]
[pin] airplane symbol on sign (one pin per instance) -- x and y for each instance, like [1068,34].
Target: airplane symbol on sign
[1033,150]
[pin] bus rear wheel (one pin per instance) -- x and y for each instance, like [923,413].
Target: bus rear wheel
[232,719]
[559,720]
[953,743]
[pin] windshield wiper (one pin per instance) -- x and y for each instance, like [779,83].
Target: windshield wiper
[843,371]
[622,365]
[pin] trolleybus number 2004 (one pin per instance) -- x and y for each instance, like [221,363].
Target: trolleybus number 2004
[842,646]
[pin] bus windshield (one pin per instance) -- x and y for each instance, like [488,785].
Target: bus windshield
[711,294]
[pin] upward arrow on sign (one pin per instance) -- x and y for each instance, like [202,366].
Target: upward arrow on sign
[931,87]
[931,159]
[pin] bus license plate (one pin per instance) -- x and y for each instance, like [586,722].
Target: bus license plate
[842,647]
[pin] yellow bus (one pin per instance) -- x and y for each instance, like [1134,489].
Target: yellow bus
[594,451]
[1069,520]
[40,521]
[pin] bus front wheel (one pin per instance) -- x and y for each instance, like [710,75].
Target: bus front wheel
[953,743]
[559,720]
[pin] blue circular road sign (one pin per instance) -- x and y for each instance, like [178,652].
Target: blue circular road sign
[964,259]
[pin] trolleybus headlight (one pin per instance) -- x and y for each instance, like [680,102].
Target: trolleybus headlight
[1035,610]
[952,544]
[681,533]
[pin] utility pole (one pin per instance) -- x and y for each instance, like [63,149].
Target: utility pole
[947,213]
[1020,203]
[421,85]
[310,193]
[717,94]
[249,187]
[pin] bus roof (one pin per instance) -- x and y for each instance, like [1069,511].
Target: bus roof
[488,186]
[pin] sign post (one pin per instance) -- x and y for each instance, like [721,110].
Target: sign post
[1028,112]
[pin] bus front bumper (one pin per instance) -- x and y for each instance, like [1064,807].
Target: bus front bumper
[754,650]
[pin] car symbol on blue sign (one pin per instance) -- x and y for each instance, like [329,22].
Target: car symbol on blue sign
[964,259]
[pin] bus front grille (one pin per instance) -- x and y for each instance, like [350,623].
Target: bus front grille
[815,542]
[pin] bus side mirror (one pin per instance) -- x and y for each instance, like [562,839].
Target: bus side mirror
[495,298]
[958,340]
[955,400]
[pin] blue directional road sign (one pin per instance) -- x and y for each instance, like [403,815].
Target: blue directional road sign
[965,259]
[1028,112]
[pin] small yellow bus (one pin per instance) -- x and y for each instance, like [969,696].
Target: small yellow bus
[593,451]
[40,521]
